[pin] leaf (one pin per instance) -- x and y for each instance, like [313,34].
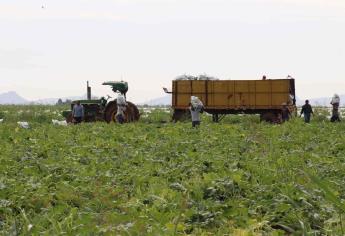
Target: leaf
[329,193]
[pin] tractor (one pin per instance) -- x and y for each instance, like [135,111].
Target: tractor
[104,109]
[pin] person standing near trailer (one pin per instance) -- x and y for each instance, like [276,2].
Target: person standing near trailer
[121,108]
[307,110]
[335,111]
[196,108]
[78,113]
[286,114]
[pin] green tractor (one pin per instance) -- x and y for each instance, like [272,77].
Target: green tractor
[104,109]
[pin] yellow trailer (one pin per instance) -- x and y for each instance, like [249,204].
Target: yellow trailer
[264,97]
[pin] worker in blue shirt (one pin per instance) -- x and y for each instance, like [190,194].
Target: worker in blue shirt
[78,113]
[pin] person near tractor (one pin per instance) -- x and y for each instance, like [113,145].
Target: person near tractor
[286,114]
[307,110]
[121,108]
[335,111]
[196,108]
[78,113]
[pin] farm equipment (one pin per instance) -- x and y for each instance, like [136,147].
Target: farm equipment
[221,97]
[104,109]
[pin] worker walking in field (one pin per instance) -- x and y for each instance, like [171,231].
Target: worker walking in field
[196,108]
[121,108]
[335,111]
[307,110]
[78,113]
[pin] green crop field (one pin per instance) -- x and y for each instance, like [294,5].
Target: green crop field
[238,177]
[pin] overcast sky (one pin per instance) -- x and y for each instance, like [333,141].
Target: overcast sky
[50,48]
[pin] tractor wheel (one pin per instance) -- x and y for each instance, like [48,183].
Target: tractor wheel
[131,113]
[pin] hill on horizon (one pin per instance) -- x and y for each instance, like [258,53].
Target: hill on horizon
[161,101]
[12,98]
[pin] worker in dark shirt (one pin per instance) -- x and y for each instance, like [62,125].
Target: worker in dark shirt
[307,110]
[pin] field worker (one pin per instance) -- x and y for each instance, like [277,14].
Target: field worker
[335,111]
[285,113]
[78,113]
[307,110]
[196,107]
[121,108]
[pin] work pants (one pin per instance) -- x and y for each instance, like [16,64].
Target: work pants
[307,117]
[195,123]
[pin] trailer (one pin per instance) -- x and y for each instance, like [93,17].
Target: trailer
[222,97]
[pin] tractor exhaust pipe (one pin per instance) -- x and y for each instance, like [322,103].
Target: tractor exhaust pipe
[88,91]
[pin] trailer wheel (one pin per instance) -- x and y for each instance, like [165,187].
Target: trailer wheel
[215,118]
[181,115]
[271,117]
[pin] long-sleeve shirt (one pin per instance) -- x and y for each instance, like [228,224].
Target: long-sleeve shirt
[78,111]
[307,109]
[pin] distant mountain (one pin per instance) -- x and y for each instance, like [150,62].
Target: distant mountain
[161,101]
[12,98]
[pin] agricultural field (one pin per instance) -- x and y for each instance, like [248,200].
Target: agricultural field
[154,177]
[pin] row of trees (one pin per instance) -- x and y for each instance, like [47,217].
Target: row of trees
[66,102]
